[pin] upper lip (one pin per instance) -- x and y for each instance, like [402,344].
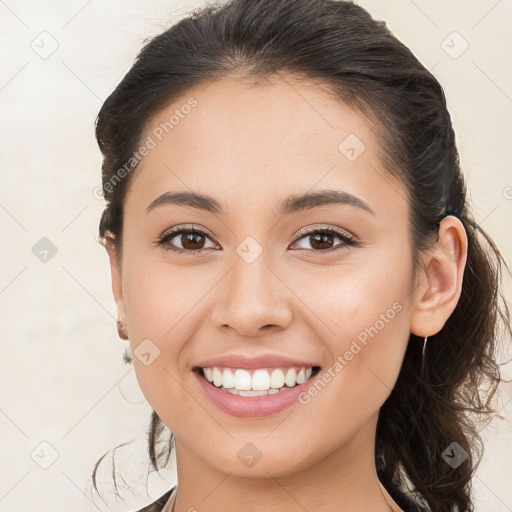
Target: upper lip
[261,361]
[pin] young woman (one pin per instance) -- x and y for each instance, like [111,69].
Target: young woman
[311,306]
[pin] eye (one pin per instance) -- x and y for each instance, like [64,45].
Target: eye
[191,240]
[322,238]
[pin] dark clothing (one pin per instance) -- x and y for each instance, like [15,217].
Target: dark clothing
[159,504]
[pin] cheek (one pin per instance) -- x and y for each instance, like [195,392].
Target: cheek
[158,298]
[159,303]
[364,315]
[353,302]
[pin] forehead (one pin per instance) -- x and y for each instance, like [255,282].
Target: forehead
[274,138]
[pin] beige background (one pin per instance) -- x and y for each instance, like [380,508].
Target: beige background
[63,382]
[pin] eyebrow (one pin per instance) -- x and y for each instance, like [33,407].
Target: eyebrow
[291,205]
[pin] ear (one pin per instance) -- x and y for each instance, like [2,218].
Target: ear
[117,286]
[439,282]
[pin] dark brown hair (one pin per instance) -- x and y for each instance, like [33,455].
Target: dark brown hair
[359,61]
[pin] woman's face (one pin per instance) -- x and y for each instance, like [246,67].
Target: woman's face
[266,279]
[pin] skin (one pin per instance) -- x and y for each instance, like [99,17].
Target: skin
[250,147]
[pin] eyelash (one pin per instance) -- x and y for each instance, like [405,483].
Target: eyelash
[347,240]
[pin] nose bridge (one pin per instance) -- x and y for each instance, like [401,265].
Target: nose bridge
[252,277]
[251,297]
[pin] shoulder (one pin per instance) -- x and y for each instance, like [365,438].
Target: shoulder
[159,504]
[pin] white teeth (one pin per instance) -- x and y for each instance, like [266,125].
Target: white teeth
[291,378]
[217,377]
[252,393]
[228,379]
[277,379]
[301,376]
[262,381]
[242,380]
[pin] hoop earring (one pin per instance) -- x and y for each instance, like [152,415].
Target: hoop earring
[423,354]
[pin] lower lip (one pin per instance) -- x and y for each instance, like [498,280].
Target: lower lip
[252,406]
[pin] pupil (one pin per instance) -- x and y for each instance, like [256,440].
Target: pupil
[191,238]
[322,238]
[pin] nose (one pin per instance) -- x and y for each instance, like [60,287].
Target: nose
[252,299]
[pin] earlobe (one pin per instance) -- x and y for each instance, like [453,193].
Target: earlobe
[439,283]
[117,287]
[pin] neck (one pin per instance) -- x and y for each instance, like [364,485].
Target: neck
[343,480]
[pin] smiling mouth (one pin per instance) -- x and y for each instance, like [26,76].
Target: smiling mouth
[256,381]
